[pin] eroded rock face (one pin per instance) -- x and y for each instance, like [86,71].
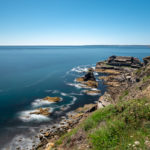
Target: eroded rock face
[124,61]
[41,111]
[52,99]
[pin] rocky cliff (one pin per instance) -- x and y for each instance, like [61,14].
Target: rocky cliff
[121,118]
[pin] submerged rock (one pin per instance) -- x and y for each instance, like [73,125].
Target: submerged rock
[41,111]
[52,99]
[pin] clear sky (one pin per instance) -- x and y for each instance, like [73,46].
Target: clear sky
[74,22]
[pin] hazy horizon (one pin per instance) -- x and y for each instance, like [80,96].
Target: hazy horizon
[87,45]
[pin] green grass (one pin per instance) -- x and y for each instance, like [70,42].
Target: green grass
[116,127]
[129,123]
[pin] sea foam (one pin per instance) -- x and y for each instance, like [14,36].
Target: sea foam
[26,116]
[40,102]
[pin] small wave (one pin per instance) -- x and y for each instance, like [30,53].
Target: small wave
[48,91]
[95,73]
[52,91]
[80,69]
[65,107]
[76,93]
[26,116]
[94,89]
[55,91]
[40,102]
[77,85]
[73,100]
[93,94]
[64,94]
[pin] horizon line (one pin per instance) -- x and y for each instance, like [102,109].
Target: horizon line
[87,45]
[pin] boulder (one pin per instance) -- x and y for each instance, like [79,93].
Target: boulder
[52,99]
[41,111]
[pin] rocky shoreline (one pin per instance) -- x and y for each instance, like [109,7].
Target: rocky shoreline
[117,73]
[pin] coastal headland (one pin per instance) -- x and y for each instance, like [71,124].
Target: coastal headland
[128,83]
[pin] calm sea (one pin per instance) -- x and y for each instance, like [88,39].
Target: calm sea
[29,73]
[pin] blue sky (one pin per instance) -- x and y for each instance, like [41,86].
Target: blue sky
[74,22]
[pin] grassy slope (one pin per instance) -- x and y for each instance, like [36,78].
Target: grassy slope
[116,127]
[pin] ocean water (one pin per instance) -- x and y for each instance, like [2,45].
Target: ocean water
[30,73]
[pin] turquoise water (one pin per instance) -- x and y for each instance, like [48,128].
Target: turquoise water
[31,73]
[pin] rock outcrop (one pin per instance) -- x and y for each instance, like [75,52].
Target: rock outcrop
[88,80]
[41,111]
[52,99]
[121,61]
[88,76]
